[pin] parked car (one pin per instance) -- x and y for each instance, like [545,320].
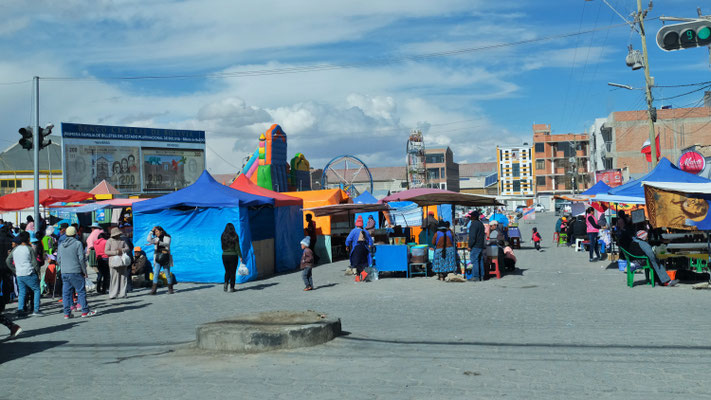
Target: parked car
[564,207]
[540,208]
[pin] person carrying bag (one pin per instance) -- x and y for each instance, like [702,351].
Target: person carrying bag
[119,260]
[161,257]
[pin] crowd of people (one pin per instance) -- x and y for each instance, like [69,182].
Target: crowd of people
[57,259]
[631,237]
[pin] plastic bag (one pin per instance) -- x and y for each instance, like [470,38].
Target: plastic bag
[89,285]
[242,270]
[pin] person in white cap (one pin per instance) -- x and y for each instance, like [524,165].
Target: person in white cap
[70,257]
[307,263]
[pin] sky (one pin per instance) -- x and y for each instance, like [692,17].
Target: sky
[340,77]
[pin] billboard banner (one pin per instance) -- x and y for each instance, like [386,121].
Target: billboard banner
[171,169]
[677,210]
[87,166]
[611,177]
[133,160]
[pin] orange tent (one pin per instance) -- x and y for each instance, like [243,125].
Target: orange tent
[317,198]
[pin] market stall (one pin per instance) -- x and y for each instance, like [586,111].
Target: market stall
[195,217]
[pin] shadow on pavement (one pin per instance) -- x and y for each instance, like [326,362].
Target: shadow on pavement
[114,310]
[12,350]
[325,286]
[517,271]
[46,330]
[260,286]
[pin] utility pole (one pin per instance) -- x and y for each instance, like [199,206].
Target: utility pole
[641,14]
[35,149]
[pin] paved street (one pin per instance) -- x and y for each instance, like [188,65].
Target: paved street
[560,328]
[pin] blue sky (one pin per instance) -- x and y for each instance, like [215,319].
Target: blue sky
[471,101]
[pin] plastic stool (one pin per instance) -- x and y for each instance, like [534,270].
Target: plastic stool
[556,237]
[562,239]
[492,267]
[698,264]
[579,244]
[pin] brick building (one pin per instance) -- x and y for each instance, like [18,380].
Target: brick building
[442,171]
[562,161]
[619,138]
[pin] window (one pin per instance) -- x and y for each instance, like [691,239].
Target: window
[441,173]
[540,164]
[434,158]
[517,186]
[540,147]
[540,181]
[10,183]
[515,170]
[433,173]
[565,149]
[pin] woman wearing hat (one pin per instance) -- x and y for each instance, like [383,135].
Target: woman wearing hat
[115,248]
[445,255]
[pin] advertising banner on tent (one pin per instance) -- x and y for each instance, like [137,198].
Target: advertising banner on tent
[171,169]
[678,210]
[88,165]
[611,177]
[692,162]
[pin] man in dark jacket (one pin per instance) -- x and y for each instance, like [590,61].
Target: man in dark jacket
[476,246]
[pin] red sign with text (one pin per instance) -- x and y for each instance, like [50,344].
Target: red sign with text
[612,177]
[692,162]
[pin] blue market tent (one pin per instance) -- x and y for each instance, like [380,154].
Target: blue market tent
[664,172]
[598,188]
[195,218]
[367,198]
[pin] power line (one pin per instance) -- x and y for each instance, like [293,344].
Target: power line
[329,67]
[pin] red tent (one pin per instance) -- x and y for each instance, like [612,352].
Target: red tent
[22,200]
[245,185]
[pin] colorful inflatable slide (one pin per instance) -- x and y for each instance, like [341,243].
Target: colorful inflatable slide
[267,167]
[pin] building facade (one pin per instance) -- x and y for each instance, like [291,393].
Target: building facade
[478,178]
[515,171]
[619,138]
[442,171]
[562,161]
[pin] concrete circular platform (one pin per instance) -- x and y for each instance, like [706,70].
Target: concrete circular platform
[273,330]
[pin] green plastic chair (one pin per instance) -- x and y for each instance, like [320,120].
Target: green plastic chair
[646,267]
[698,264]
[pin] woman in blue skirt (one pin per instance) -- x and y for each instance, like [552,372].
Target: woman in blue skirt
[445,255]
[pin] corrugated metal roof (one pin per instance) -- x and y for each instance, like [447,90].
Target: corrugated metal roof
[15,158]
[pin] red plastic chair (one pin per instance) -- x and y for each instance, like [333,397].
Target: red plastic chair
[493,267]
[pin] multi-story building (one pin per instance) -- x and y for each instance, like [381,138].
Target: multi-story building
[562,161]
[442,171]
[619,138]
[515,171]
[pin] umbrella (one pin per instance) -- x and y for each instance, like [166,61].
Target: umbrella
[431,197]
[22,200]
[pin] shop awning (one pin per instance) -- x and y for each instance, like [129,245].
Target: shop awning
[336,209]
[22,200]
[432,197]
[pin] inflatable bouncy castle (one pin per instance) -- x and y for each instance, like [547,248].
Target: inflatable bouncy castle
[267,166]
[299,175]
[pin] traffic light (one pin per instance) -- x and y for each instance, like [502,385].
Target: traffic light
[26,141]
[44,132]
[685,35]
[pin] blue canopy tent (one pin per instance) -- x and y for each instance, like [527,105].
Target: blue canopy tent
[195,218]
[598,188]
[632,192]
[367,198]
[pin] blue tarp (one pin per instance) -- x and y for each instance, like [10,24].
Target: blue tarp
[444,211]
[405,213]
[598,188]
[205,192]
[288,236]
[367,198]
[195,240]
[195,233]
[664,172]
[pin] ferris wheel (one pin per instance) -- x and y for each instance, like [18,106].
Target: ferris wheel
[348,173]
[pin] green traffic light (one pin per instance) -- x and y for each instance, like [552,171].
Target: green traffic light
[704,33]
